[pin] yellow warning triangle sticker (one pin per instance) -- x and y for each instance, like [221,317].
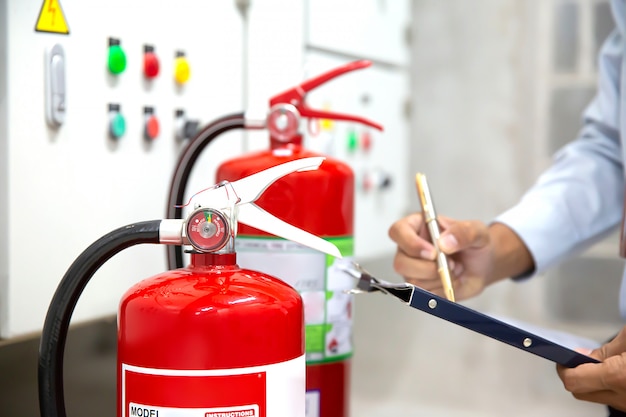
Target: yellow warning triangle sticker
[51,18]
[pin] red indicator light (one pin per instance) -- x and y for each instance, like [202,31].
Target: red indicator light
[366,141]
[152,127]
[151,124]
[150,62]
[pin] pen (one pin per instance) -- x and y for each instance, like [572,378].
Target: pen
[430,217]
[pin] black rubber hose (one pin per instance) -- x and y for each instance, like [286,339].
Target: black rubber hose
[183,169]
[53,337]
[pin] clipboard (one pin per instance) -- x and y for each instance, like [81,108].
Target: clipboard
[473,320]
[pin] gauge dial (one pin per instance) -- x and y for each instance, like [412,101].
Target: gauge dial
[207,230]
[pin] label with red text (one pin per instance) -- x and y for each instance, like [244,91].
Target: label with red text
[261,391]
[142,410]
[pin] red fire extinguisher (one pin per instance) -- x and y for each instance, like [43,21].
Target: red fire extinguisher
[320,202]
[211,339]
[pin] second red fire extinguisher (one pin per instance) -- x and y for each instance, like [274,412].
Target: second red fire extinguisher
[320,202]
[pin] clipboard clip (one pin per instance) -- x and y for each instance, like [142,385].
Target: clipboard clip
[367,283]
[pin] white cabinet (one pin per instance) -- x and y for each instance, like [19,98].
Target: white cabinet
[64,187]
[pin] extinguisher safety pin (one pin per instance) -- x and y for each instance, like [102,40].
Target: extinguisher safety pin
[229,186]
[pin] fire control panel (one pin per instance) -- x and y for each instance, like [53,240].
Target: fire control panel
[98,99]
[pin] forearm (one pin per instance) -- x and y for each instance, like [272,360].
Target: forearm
[579,198]
[510,255]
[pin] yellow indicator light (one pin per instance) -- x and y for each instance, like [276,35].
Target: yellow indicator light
[182,71]
[326,124]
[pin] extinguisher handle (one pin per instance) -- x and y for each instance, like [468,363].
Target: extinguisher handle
[321,114]
[334,73]
[296,96]
[245,191]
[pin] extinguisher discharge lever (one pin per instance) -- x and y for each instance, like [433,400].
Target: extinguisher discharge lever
[248,189]
[295,97]
[241,195]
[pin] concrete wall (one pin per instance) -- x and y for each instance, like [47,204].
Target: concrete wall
[498,85]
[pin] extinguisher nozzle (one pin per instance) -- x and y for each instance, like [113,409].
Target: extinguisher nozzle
[368,283]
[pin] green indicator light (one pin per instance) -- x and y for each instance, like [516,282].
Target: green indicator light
[118,126]
[117,59]
[353,141]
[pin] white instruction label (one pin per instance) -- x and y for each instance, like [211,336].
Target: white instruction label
[141,410]
[312,403]
[322,283]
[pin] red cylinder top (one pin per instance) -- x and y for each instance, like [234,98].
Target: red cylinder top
[319,201]
[211,315]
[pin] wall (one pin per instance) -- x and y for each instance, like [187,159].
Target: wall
[488,110]
[4,270]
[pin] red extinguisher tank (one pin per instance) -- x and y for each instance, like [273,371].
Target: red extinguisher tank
[322,203]
[249,326]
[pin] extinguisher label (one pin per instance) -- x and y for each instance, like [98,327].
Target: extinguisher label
[261,391]
[313,403]
[321,282]
[142,410]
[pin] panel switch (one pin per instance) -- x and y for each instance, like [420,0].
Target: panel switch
[116,60]
[184,128]
[150,62]
[151,124]
[182,69]
[55,86]
[117,123]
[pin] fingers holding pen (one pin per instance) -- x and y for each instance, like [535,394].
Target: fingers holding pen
[411,237]
[460,235]
[466,244]
[415,256]
[415,270]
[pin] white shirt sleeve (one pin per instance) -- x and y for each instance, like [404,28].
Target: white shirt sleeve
[580,198]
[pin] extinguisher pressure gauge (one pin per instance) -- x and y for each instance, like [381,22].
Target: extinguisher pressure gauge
[208,230]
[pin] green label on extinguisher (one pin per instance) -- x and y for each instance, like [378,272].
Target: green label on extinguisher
[321,282]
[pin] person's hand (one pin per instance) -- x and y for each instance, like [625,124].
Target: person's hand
[466,243]
[603,383]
